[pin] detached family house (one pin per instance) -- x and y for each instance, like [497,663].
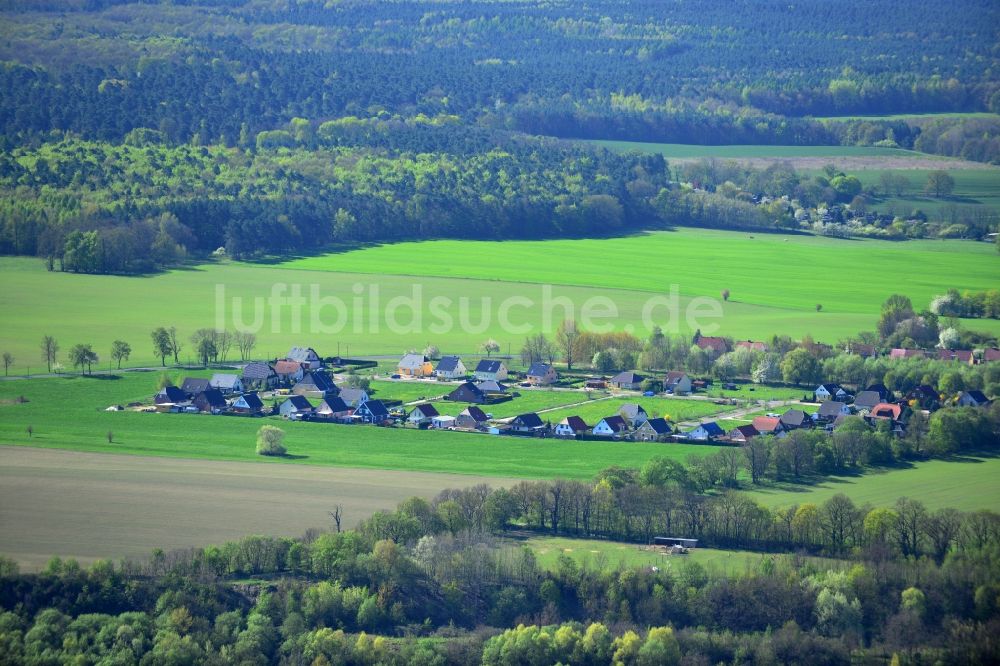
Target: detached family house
[865,400]
[192,386]
[422,414]
[289,372]
[489,369]
[333,408]
[248,403]
[295,406]
[635,415]
[468,392]
[353,396]
[769,425]
[826,392]
[677,383]
[305,356]
[450,367]
[628,381]
[831,409]
[471,418]
[415,365]
[542,374]
[210,401]
[372,411]
[572,426]
[315,382]
[706,431]
[611,426]
[653,430]
[226,383]
[260,376]
[170,395]
[794,419]
[742,434]
[530,423]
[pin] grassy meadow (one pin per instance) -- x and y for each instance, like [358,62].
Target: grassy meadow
[692,151]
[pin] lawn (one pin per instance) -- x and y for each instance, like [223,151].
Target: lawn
[677,409]
[769,276]
[67,413]
[967,484]
[692,151]
[529,400]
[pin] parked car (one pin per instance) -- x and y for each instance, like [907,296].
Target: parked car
[649,394]
[395,377]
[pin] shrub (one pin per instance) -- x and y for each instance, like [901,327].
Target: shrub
[270,441]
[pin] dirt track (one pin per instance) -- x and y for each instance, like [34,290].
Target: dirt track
[91,505]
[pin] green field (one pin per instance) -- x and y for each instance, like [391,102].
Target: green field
[678,409]
[915,116]
[67,413]
[967,485]
[973,187]
[692,151]
[775,281]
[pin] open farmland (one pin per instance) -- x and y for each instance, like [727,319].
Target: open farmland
[91,506]
[776,292]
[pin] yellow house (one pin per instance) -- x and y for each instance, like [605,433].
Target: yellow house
[415,365]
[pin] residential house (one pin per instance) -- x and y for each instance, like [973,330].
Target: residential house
[295,406]
[468,392]
[415,365]
[258,375]
[443,422]
[226,383]
[372,411]
[925,396]
[306,356]
[742,434]
[611,426]
[677,382]
[492,388]
[333,407]
[353,396]
[315,382]
[960,355]
[865,400]
[422,414]
[450,367]
[795,418]
[887,410]
[471,418]
[572,426]
[211,401]
[542,374]
[248,403]
[861,349]
[906,353]
[653,430]
[528,423]
[769,425]
[991,354]
[716,345]
[629,381]
[170,395]
[289,372]
[972,399]
[705,432]
[882,390]
[490,370]
[830,410]
[633,414]
[596,383]
[192,386]
[826,392]
[752,345]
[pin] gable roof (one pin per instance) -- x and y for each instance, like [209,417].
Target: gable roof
[752,345]
[829,388]
[257,370]
[252,400]
[529,420]
[491,386]
[302,355]
[991,354]
[627,377]
[413,361]
[716,343]
[299,402]
[906,353]
[211,397]
[659,425]
[374,407]
[352,394]
[287,367]
[333,405]
[222,380]
[539,369]
[171,394]
[489,365]
[467,387]
[318,378]
[616,423]
[766,424]
[881,389]
[575,423]
[794,418]
[673,377]
[476,414]
[448,364]
[887,410]
[963,355]
[747,431]
[194,385]
[976,396]
[631,410]
[427,409]
[712,428]
[868,399]
[831,408]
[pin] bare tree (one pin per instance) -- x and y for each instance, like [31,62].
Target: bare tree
[566,338]
[537,348]
[337,514]
[175,344]
[245,342]
[225,343]
[8,360]
[49,350]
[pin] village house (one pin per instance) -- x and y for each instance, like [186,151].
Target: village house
[677,382]
[490,370]
[305,356]
[861,349]
[210,401]
[991,354]
[960,355]
[769,425]
[170,395]
[716,345]
[467,392]
[226,383]
[471,418]
[633,414]
[192,386]
[752,345]
[372,411]
[258,375]
[742,434]
[542,374]
[830,410]
[611,426]
[492,388]
[295,406]
[248,403]
[882,390]
[826,392]
[443,422]
[706,432]
[289,372]
[595,383]
[924,396]
[415,365]
[627,381]
[906,353]
[572,426]
[865,400]
[529,423]
[315,382]
[333,407]
[450,367]
[653,430]
[422,414]
[972,399]
[353,396]
[795,418]
[887,410]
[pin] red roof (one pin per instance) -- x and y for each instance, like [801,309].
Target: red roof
[716,343]
[887,410]
[287,367]
[963,355]
[991,354]
[752,345]
[744,431]
[906,353]
[766,424]
[861,349]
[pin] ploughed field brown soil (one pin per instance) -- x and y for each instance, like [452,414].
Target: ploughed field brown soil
[93,505]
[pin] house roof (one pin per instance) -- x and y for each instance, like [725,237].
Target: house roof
[991,354]
[905,353]
[659,425]
[630,410]
[888,410]
[861,349]
[976,396]
[299,402]
[716,343]
[831,408]
[747,431]
[448,364]
[194,385]
[616,423]
[752,345]
[413,361]
[491,386]
[539,369]
[257,370]
[353,394]
[529,420]
[673,377]
[627,377]
[318,378]
[868,399]
[489,365]
[374,407]
[302,355]
[881,389]
[171,394]
[467,387]
[765,424]
[829,388]
[575,423]
[476,414]
[794,418]
[427,409]
[963,355]
[212,397]
[712,428]
[333,405]
[924,391]
[287,367]
[221,380]
[252,400]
